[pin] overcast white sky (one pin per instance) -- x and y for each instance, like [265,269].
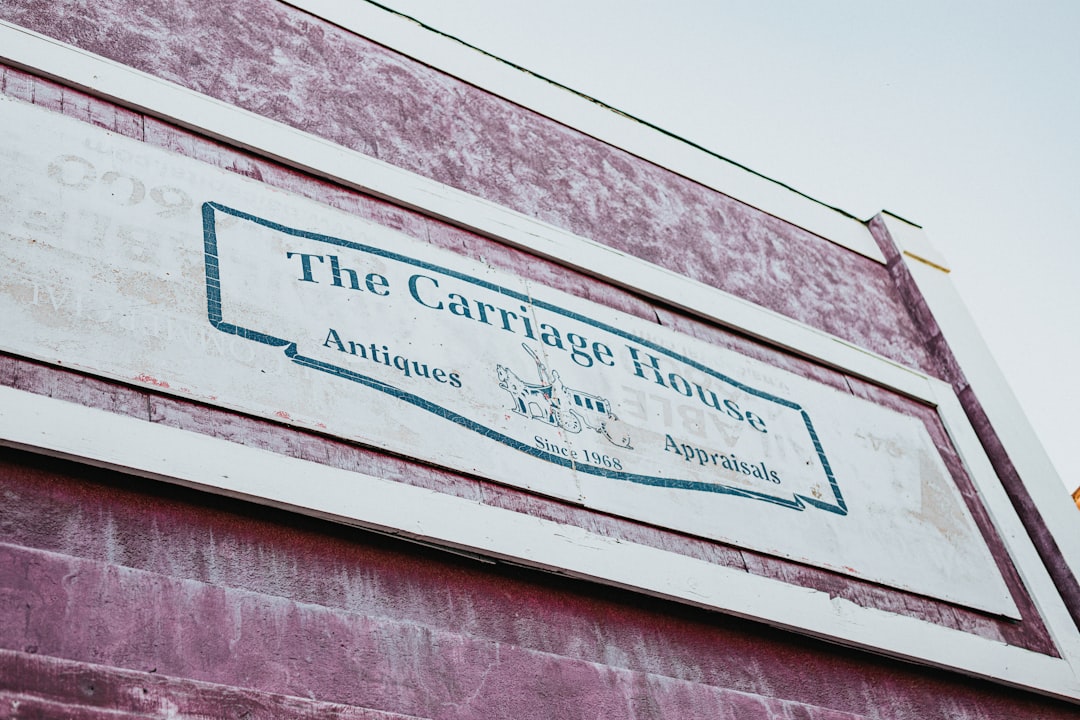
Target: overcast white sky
[961,116]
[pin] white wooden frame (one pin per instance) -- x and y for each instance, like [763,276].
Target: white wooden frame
[66,430]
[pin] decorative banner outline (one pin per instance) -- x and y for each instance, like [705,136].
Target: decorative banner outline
[215,315]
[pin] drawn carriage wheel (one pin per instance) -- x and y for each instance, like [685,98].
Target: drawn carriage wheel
[568,421]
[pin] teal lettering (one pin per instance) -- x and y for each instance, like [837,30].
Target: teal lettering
[414,290]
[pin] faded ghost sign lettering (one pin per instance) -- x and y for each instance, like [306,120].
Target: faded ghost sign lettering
[546,383]
[134,263]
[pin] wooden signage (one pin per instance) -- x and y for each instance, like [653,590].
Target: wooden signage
[134,263]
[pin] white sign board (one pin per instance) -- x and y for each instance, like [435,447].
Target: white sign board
[131,262]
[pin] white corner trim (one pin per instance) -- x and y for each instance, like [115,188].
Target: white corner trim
[502,79]
[309,153]
[66,430]
[912,241]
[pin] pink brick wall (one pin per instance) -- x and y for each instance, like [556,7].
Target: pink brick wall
[274,60]
[121,598]
[130,585]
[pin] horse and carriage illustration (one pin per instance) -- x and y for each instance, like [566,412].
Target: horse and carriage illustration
[552,402]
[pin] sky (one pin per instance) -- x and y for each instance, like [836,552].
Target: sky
[960,116]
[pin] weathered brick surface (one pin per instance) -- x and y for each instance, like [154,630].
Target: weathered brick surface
[655,661]
[42,688]
[51,688]
[123,598]
[276,61]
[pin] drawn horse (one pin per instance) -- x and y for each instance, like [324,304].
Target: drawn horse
[551,402]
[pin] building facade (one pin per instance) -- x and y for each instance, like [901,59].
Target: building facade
[348,372]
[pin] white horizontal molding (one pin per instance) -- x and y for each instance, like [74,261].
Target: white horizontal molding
[312,154]
[546,98]
[60,429]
